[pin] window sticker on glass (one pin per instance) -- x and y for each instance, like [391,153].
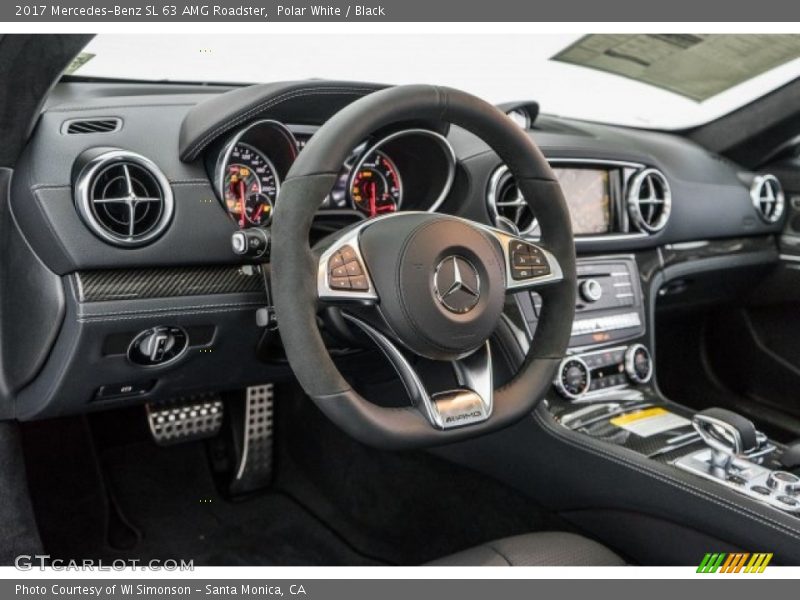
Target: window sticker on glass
[696,66]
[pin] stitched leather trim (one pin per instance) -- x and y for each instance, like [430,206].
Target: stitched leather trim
[742,510]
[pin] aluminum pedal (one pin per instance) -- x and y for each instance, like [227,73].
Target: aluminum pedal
[254,469]
[185,419]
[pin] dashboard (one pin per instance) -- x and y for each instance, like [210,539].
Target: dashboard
[125,200]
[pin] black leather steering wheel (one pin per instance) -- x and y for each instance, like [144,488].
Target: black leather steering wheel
[425,283]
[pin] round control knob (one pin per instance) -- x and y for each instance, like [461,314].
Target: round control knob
[158,346]
[591,290]
[573,378]
[638,363]
[784,482]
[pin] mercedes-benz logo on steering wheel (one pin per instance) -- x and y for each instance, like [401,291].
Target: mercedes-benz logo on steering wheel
[457,284]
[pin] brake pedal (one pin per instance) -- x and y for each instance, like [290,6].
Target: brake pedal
[185,419]
[254,466]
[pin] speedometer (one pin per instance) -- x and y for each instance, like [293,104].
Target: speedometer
[375,186]
[250,186]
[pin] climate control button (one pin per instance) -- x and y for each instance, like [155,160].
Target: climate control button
[638,363]
[574,378]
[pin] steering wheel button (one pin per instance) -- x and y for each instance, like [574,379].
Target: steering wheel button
[340,283]
[359,282]
[347,254]
[520,274]
[335,261]
[520,247]
[522,260]
[339,272]
[538,271]
[354,268]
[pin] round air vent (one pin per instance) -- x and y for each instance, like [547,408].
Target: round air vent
[507,206]
[649,200]
[768,198]
[124,198]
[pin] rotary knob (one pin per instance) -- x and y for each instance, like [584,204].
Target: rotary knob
[591,290]
[574,378]
[784,482]
[638,363]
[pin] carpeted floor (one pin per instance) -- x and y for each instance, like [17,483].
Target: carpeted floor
[103,489]
[167,494]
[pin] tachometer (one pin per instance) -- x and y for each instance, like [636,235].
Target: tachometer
[250,186]
[375,186]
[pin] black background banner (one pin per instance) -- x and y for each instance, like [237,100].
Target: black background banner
[730,587]
[402,11]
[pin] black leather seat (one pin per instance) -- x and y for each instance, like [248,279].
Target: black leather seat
[545,549]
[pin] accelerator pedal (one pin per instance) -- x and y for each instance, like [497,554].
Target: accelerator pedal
[185,419]
[253,440]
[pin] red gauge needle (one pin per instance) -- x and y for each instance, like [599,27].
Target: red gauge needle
[257,216]
[373,206]
[242,206]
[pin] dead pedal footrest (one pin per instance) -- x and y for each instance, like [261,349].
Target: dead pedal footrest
[185,419]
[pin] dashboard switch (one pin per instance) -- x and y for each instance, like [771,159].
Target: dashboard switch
[591,290]
[252,243]
[124,390]
[158,346]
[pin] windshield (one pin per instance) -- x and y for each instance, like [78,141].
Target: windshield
[656,81]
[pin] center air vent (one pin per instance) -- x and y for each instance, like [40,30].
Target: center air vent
[768,198]
[124,198]
[649,200]
[507,207]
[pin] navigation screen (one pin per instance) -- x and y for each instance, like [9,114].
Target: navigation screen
[588,199]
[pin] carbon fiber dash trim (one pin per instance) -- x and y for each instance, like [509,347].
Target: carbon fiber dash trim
[98,286]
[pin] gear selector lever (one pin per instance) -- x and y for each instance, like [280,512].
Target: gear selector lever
[741,458]
[728,435]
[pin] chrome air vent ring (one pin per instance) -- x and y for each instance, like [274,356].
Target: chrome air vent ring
[507,207]
[124,198]
[649,200]
[768,198]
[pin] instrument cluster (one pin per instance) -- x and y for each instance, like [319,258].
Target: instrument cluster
[410,169]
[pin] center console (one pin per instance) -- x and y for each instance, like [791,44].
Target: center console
[609,306]
[605,390]
[606,450]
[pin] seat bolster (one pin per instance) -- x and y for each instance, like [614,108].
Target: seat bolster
[550,548]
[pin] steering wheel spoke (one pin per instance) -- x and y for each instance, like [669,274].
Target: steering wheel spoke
[342,275]
[473,401]
[465,405]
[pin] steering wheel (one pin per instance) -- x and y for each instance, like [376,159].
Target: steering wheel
[430,284]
